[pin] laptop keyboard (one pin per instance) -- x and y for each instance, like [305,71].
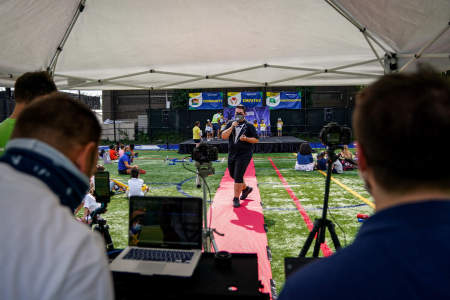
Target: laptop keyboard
[160,255]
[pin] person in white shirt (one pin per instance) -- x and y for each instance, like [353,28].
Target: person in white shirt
[45,253]
[209,130]
[135,184]
[90,204]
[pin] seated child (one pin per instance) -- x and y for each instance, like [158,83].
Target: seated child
[337,167]
[105,156]
[112,153]
[346,158]
[135,184]
[305,160]
[321,163]
[122,150]
[133,154]
[89,204]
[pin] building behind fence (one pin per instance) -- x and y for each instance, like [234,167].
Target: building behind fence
[154,116]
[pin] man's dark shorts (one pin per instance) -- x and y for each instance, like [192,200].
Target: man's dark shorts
[196,140]
[123,172]
[215,126]
[237,168]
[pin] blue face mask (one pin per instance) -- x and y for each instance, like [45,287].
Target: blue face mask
[128,153]
[136,228]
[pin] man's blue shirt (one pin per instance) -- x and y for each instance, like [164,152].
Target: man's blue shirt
[399,253]
[121,164]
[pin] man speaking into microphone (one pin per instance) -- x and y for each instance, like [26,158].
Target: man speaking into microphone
[241,136]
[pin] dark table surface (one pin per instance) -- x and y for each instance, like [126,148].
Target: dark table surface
[238,280]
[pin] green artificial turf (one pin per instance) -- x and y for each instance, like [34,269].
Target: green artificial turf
[287,230]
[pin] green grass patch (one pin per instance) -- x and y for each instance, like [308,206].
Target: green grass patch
[287,230]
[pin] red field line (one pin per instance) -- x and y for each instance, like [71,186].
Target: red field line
[325,249]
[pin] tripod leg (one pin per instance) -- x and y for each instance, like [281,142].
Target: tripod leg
[319,240]
[310,239]
[206,240]
[334,237]
[107,236]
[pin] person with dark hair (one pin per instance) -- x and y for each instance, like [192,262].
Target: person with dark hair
[305,160]
[196,133]
[397,249]
[133,154]
[136,185]
[124,166]
[215,124]
[241,136]
[321,163]
[44,175]
[28,87]
[112,153]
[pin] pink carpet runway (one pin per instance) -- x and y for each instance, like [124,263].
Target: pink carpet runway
[244,226]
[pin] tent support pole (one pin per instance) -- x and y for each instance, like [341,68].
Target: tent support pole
[51,67]
[295,77]
[426,55]
[239,70]
[373,49]
[91,81]
[331,70]
[236,80]
[177,83]
[346,15]
[425,47]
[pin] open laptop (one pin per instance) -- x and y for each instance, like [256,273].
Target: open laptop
[164,237]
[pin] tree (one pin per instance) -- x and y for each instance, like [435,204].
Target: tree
[180,99]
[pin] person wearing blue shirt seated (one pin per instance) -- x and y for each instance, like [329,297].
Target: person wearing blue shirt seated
[400,252]
[321,163]
[305,160]
[124,165]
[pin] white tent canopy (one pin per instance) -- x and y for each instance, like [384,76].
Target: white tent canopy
[134,44]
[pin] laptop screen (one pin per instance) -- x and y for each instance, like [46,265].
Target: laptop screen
[165,222]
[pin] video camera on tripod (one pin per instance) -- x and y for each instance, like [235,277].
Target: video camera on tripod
[333,136]
[203,155]
[103,196]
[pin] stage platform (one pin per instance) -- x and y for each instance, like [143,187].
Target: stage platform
[274,144]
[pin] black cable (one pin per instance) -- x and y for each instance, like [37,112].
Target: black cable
[207,186]
[340,227]
[193,171]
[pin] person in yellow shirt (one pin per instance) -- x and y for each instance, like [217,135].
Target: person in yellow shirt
[196,133]
[262,127]
[255,124]
[280,127]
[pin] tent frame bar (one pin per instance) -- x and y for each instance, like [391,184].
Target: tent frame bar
[313,71]
[426,55]
[425,47]
[51,67]
[373,49]
[361,28]
[89,81]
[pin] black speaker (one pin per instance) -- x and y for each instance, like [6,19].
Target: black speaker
[292,264]
[328,115]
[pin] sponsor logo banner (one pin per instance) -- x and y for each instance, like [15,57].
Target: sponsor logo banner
[205,100]
[284,100]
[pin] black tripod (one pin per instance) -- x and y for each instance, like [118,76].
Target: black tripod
[101,226]
[320,225]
